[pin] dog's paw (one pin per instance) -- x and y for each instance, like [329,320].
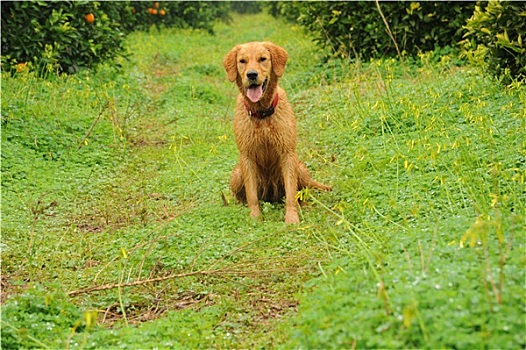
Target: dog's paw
[292,218]
[255,213]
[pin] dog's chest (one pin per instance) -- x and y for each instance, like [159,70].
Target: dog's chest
[267,134]
[264,141]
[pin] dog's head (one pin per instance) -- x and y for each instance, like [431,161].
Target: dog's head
[255,67]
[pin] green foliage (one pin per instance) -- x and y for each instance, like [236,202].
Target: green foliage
[425,309]
[178,330]
[284,9]
[65,36]
[356,29]
[248,7]
[48,315]
[494,39]
[454,158]
[56,36]
[441,164]
[141,15]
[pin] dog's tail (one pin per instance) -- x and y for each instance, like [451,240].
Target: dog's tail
[318,185]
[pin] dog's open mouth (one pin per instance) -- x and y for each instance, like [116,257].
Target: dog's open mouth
[254,91]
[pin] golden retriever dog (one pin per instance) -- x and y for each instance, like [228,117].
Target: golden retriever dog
[265,131]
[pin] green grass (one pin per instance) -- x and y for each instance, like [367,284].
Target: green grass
[110,178]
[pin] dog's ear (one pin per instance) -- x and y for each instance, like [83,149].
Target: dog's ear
[230,63]
[279,57]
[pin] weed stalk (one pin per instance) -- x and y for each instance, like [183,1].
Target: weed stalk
[382,292]
[119,288]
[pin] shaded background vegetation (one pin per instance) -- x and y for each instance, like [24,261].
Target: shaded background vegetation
[356,29]
[57,36]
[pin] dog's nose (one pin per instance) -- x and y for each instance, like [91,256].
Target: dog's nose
[252,74]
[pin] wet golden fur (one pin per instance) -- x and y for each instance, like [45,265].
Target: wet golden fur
[268,167]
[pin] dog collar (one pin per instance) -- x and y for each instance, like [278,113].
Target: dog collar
[263,113]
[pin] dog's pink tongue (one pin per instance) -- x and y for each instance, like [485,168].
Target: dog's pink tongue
[254,92]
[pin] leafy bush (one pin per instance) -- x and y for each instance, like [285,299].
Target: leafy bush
[290,10]
[59,36]
[494,39]
[141,15]
[356,29]
[250,7]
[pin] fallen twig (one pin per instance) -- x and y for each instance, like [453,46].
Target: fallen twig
[221,271]
[392,37]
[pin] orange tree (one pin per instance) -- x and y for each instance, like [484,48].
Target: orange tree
[142,15]
[357,29]
[62,36]
[65,36]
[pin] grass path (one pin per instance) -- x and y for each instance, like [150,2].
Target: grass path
[116,178]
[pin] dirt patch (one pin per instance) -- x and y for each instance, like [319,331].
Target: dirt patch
[147,311]
[5,288]
[269,309]
[125,206]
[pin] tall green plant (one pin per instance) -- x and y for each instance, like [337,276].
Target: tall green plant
[494,39]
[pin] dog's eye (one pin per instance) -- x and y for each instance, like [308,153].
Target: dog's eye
[242,61]
[262,59]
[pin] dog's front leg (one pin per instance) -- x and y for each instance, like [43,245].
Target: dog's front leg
[248,168]
[290,180]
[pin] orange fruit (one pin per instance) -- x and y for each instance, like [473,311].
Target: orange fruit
[90,18]
[155,5]
[20,67]
[154,11]
[162,12]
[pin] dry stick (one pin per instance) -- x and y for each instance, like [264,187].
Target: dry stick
[201,250]
[173,276]
[88,134]
[421,258]
[408,258]
[391,36]
[417,313]
[119,294]
[430,256]
[108,310]
[131,284]
[496,291]
[32,234]
[502,261]
[220,271]
[38,210]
